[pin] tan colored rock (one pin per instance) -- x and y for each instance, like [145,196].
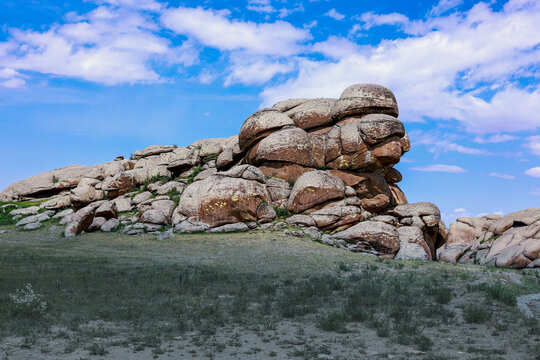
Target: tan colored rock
[282,170]
[166,207]
[301,220]
[123,204]
[265,213]
[313,188]
[337,216]
[79,222]
[124,182]
[261,124]
[286,105]
[107,210]
[142,197]
[214,146]
[365,99]
[312,113]
[398,197]
[184,158]
[372,235]
[157,149]
[377,127]
[412,235]
[290,145]
[221,199]
[153,216]
[84,195]
[386,153]
[46,184]
[376,204]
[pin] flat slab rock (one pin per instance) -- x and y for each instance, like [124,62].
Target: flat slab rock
[529,305]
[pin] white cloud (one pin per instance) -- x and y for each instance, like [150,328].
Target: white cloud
[284,12]
[502,176]
[371,19]
[434,74]
[533,144]
[535,191]
[335,15]
[11,79]
[135,4]
[449,218]
[439,144]
[214,28]
[206,77]
[255,71]
[534,172]
[106,45]
[336,47]
[261,6]
[440,168]
[443,6]
[497,138]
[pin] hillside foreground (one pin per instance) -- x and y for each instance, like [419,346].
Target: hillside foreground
[255,295]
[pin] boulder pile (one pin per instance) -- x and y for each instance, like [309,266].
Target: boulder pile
[320,168]
[509,241]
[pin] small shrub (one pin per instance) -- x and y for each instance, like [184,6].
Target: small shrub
[422,342]
[475,314]
[344,266]
[334,321]
[211,157]
[281,213]
[97,349]
[26,302]
[196,170]
[502,293]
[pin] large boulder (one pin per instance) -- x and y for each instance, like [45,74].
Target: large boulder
[366,99]
[314,188]
[79,222]
[290,145]
[46,184]
[226,198]
[261,124]
[312,113]
[84,195]
[372,236]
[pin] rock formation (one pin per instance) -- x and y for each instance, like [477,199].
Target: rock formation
[322,165]
[509,241]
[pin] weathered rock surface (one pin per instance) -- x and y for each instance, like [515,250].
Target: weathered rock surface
[372,236]
[314,188]
[510,241]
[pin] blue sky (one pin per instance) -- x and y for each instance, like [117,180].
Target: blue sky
[83,82]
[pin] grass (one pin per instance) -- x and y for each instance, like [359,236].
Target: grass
[203,283]
[502,293]
[281,213]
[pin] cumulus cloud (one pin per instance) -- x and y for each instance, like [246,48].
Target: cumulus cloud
[371,19]
[502,176]
[214,29]
[440,168]
[534,172]
[107,45]
[533,144]
[11,79]
[255,71]
[460,67]
[336,47]
[335,15]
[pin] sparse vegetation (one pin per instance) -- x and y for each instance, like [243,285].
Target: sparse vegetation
[195,171]
[281,212]
[211,157]
[170,289]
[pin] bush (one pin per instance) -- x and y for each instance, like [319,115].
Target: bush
[27,302]
[502,293]
[334,321]
[475,314]
[281,213]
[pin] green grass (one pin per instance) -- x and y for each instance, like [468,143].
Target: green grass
[502,293]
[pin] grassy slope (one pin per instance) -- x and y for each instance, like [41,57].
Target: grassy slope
[204,282]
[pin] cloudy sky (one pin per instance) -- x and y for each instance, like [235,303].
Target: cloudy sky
[83,82]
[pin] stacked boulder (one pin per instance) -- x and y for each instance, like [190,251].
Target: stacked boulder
[324,165]
[509,241]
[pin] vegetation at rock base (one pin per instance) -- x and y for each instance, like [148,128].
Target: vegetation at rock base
[153,292]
